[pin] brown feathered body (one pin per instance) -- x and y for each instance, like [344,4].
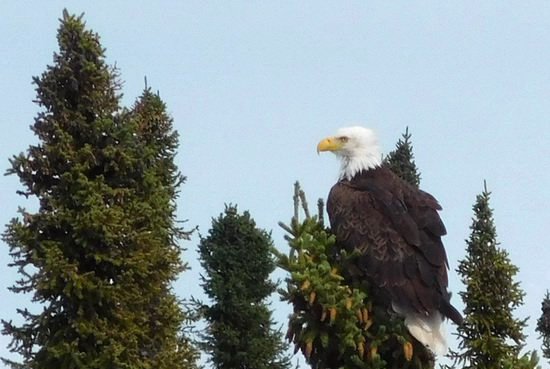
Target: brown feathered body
[396,230]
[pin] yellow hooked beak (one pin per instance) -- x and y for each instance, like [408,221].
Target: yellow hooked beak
[330,144]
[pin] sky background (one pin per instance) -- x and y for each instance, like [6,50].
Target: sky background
[253,86]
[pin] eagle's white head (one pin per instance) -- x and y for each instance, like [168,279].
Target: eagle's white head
[356,147]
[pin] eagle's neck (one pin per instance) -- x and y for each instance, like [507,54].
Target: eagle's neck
[352,165]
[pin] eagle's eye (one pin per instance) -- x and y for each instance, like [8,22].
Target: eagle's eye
[343,139]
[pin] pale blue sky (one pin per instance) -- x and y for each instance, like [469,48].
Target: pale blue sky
[253,86]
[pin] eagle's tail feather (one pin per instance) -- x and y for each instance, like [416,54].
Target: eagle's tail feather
[428,329]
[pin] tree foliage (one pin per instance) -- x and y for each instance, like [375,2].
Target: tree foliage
[237,262]
[99,254]
[401,160]
[163,318]
[334,323]
[543,326]
[490,337]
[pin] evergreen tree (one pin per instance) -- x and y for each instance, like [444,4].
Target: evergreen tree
[90,254]
[543,326]
[491,337]
[401,160]
[334,323]
[237,260]
[162,342]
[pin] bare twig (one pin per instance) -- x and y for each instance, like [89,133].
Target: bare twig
[296,198]
[286,228]
[321,211]
[302,195]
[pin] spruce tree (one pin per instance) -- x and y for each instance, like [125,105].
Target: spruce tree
[90,254]
[401,160]
[334,322]
[237,261]
[543,326]
[162,342]
[490,337]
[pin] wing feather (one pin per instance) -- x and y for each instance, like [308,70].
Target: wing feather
[397,230]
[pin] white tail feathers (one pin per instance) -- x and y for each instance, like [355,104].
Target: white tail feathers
[428,329]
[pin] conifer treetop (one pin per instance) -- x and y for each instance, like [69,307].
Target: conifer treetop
[491,337]
[401,160]
[236,257]
[99,254]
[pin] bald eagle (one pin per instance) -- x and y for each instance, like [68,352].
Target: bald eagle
[396,230]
